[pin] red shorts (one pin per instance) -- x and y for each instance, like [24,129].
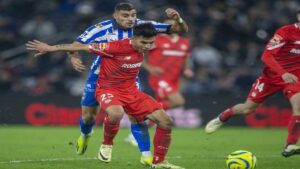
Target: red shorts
[136,104]
[163,88]
[262,88]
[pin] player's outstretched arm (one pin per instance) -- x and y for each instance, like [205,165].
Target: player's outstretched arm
[43,48]
[173,14]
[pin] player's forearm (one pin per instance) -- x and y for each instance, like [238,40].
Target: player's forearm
[183,26]
[70,47]
[270,61]
[145,65]
[74,53]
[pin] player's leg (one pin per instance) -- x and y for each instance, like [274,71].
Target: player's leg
[293,128]
[239,109]
[175,100]
[89,107]
[140,134]
[111,128]
[162,139]
[260,91]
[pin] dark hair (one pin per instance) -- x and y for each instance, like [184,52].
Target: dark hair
[124,6]
[298,10]
[144,29]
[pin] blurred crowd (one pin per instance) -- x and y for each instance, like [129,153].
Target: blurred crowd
[228,37]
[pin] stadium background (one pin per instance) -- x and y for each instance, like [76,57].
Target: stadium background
[228,37]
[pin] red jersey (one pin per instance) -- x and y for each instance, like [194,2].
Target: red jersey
[169,54]
[282,53]
[120,65]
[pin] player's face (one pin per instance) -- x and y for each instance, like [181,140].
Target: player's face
[125,19]
[142,44]
[298,17]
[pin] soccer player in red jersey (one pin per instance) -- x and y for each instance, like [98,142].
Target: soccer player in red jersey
[281,73]
[166,62]
[118,93]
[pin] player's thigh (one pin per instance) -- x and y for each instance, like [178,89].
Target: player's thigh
[161,118]
[115,112]
[295,102]
[176,98]
[90,110]
[88,98]
[262,89]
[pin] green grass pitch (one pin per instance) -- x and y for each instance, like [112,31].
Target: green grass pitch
[24,147]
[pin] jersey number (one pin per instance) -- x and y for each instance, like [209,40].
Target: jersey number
[259,86]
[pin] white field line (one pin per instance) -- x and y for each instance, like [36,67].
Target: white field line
[58,159]
[95,158]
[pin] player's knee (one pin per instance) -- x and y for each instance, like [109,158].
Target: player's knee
[167,123]
[179,102]
[116,116]
[296,109]
[88,117]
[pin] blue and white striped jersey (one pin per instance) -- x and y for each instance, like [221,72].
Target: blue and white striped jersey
[108,31]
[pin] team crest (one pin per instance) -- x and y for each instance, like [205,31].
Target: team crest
[274,42]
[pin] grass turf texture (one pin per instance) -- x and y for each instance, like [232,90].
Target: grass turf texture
[51,147]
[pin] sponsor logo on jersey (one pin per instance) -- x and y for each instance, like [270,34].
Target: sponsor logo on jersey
[295,51]
[131,66]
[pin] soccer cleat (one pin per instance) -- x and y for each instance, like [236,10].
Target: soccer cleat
[166,164]
[290,150]
[131,140]
[146,161]
[105,152]
[81,144]
[213,125]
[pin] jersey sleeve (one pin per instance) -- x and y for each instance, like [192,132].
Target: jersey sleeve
[273,47]
[96,31]
[105,49]
[188,52]
[160,27]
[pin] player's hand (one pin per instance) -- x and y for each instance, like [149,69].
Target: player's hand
[76,62]
[38,46]
[188,73]
[289,78]
[156,71]
[172,13]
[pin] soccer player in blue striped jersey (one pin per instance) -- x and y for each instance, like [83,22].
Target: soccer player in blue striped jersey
[118,28]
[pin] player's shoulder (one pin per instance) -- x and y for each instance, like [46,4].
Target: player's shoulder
[122,44]
[185,39]
[161,36]
[104,24]
[286,28]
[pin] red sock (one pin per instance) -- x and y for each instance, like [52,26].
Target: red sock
[110,131]
[165,104]
[293,130]
[162,141]
[226,115]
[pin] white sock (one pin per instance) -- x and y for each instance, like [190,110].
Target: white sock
[146,154]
